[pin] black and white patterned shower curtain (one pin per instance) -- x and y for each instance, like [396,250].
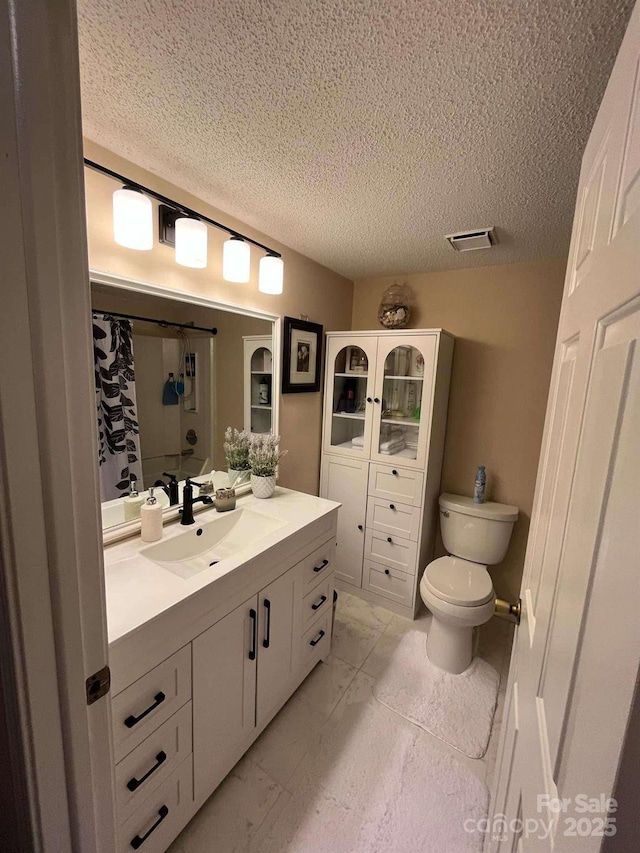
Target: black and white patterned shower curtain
[118,432]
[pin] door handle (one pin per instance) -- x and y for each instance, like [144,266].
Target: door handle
[321,566]
[360,527]
[319,603]
[267,639]
[138,840]
[134,784]
[254,633]
[376,399]
[369,400]
[392,506]
[389,540]
[131,721]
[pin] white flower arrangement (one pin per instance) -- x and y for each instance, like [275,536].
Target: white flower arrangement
[236,449]
[264,455]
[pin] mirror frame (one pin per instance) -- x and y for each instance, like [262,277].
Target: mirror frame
[131,528]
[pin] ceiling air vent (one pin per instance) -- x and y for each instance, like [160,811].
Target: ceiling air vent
[465,241]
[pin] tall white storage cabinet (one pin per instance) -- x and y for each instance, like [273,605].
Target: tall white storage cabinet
[259,404]
[385,414]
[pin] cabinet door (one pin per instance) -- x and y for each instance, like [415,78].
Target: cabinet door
[405,373]
[258,385]
[348,407]
[277,622]
[224,692]
[345,481]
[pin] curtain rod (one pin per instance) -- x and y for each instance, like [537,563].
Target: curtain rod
[90,164]
[163,323]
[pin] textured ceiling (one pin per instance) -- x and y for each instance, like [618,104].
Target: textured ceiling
[359,132]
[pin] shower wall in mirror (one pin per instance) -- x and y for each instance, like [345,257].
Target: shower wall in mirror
[165,394]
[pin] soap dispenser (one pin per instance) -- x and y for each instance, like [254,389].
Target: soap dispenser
[151,519]
[132,504]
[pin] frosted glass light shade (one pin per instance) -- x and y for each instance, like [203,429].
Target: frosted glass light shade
[236,260]
[191,243]
[132,219]
[271,275]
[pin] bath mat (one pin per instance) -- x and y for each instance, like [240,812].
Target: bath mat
[379,787]
[458,709]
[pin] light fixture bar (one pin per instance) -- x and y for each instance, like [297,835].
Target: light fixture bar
[90,164]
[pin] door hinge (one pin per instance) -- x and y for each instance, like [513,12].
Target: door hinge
[98,685]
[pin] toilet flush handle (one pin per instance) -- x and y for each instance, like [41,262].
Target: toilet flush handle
[444,512]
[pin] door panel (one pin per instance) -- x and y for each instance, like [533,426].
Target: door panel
[276,648]
[345,481]
[576,656]
[224,694]
[348,404]
[405,377]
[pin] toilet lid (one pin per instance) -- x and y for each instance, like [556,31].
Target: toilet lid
[459,581]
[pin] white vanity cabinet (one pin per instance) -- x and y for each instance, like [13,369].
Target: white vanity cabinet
[385,411]
[196,685]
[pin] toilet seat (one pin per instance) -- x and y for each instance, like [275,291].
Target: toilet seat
[459,581]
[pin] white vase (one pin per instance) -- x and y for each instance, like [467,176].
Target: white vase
[238,476]
[263,487]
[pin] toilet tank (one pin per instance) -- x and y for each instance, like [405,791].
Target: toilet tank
[476,532]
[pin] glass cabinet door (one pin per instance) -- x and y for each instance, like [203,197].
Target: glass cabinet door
[404,380]
[349,396]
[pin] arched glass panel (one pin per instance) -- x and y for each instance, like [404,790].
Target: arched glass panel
[349,398]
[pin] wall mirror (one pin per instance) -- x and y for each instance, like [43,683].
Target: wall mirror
[172,372]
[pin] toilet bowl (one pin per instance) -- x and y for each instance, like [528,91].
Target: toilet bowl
[458,589]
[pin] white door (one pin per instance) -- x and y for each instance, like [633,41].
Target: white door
[276,651]
[224,694]
[348,401]
[345,481]
[402,402]
[577,651]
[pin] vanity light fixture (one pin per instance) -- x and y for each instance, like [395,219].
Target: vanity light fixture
[133,228]
[236,260]
[271,274]
[132,219]
[191,242]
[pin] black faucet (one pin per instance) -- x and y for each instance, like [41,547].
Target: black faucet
[170,490]
[188,501]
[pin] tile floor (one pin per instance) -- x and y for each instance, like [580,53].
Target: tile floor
[247,805]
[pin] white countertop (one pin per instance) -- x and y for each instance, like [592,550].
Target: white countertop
[138,590]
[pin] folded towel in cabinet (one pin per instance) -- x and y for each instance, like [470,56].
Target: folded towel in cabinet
[392,446]
[358,441]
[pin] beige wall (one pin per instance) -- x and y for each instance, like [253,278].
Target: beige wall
[309,288]
[505,320]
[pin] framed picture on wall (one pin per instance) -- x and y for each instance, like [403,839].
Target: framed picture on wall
[302,356]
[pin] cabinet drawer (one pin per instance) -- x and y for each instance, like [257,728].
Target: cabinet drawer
[153,826]
[391,551]
[317,566]
[394,519]
[148,765]
[316,642]
[143,706]
[390,583]
[317,602]
[396,484]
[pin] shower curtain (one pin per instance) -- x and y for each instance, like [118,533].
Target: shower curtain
[118,433]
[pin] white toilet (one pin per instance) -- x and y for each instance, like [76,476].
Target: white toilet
[458,589]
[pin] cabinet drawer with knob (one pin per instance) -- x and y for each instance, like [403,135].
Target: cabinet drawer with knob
[396,485]
[395,519]
[141,772]
[159,819]
[389,582]
[143,706]
[315,644]
[317,602]
[317,566]
[394,551]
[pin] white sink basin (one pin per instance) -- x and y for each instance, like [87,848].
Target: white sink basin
[203,545]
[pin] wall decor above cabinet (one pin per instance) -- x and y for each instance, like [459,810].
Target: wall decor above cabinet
[302,356]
